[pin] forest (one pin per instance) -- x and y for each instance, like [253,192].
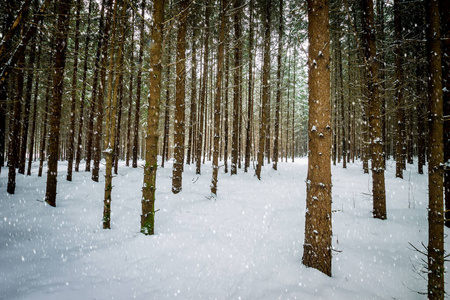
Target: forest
[223,149]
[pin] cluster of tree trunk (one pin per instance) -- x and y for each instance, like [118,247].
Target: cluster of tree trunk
[226,83]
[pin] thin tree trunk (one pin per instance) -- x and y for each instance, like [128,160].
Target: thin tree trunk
[177,176]
[278,95]
[265,89]
[83,92]
[165,155]
[220,62]
[227,76]
[130,94]
[44,123]
[71,149]
[202,115]
[95,90]
[248,143]
[377,149]
[436,150]
[58,84]
[193,113]
[151,153]
[237,91]
[35,108]
[139,87]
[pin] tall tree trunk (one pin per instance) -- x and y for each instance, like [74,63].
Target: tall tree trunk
[58,84]
[318,228]
[436,150]
[115,62]
[139,87]
[95,90]
[237,90]
[444,7]
[14,121]
[265,89]
[83,92]
[400,132]
[202,115]
[35,108]
[248,143]
[71,149]
[193,113]
[98,133]
[218,95]
[278,96]
[377,149]
[44,123]
[177,176]
[27,106]
[151,153]
[130,94]
[165,155]
[227,76]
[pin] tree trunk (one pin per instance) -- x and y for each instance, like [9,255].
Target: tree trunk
[202,115]
[436,150]
[318,230]
[193,113]
[44,123]
[218,95]
[376,139]
[248,143]
[130,93]
[71,149]
[138,87]
[83,92]
[151,153]
[400,132]
[236,91]
[35,108]
[265,89]
[177,175]
[445,44]
[58,84]
[278,96]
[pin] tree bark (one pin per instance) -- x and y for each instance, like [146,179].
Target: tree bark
[218,95]
[71,150]
[278,92]
[177,176]
[151,153]
[376,139]
[318,228]
[58,84]
[436,150]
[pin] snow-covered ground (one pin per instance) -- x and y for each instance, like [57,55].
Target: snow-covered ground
[245,244]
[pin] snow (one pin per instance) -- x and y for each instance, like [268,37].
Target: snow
[246,243]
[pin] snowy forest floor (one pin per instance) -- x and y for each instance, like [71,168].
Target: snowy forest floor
[245,244]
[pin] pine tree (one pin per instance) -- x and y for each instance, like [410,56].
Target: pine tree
[318,229]
[58,85]
[436,151]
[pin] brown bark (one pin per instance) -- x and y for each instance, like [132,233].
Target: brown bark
[318,228]
[130,94]
[165,155]
[178,154]
[71,150]
[377,148]
[265,89]
[138,87]
[151,164]
[42,153]
[444,7]
[400,146]
[55,114]
[227,76]
[83,92]
[14,121]
[249,140]
[202,115]
[98,133]
[193,113]
[278,95]
[35,108]
[436,150]
[237,101]
[218,95]
[95,91]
